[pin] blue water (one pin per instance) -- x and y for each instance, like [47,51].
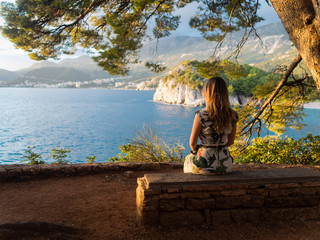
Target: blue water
[93,122]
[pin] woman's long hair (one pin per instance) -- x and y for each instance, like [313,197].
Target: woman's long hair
[216,94]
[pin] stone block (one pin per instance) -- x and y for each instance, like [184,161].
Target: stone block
[253,201]
[306,191]
[31,170]
[83,169]
[153,191]
[226,186]
[290,185]
[246,215]
[279,192]
[177,165]
[272,186]
[197,195]
[146,203]
[228,202]
[49,170]
[171,204]
[169,195]
[98,168]
[203,188]
[239,186]
[258,191]
[14,172]
[193,204]
[68,170]
[215,194]
[3,173]
[235,192]
[256,186]
[311,184]
[181,218]
[294,201]
[221,217]
[173,189]
[164,190]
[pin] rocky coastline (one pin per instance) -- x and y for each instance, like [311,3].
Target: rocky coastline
[169,92]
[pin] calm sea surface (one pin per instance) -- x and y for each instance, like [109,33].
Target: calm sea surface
[93,122]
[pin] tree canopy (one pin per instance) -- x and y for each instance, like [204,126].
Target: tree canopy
[115,29]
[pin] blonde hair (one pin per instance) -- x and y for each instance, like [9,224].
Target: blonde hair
[216,94]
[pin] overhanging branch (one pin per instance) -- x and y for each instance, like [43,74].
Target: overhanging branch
[269,101]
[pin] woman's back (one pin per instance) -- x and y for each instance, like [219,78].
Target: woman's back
[208,136]
[216,127]
[213,156]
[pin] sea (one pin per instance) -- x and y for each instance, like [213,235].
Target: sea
[94,122]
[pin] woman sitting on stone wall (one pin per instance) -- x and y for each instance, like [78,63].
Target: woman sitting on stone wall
[215,125]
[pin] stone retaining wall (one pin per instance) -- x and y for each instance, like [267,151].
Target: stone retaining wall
[243,196]
[21,171]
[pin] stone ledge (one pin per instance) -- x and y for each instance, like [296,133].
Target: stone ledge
[241,196]
[22,171]
[274,175]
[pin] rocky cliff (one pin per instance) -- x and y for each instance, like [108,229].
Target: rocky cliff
[182,84]
[168,92]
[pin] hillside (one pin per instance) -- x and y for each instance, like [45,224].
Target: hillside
[57,74]
[6,75]
[271,49]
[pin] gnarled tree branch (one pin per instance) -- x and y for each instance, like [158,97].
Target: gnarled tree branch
[269,101]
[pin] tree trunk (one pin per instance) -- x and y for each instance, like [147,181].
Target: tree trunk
[302,22]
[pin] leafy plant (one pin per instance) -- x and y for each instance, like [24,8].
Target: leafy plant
[279,150]
[60,154]
[32,158]
[147,146]
[91,159]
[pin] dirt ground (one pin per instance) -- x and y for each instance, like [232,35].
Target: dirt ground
[99,207]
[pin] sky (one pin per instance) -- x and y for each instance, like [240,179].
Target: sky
[15,59]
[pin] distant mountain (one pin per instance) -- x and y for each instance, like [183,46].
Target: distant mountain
[272,43]
[6,75]
[57,74]
[272,47]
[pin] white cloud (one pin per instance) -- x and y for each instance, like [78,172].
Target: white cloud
[12,58]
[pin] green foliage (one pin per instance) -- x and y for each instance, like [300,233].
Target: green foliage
[146,146]
[91,159]
[223,68]
[113,29]
[212,18]
[32,158]
[274,106]
[186,74]
[251,78]
[155,67]
[278,150]
[60,154]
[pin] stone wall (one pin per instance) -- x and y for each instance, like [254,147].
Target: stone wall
[243,196]
[22,171]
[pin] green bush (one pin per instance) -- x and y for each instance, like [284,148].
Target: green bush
[146,146]
[279,150]
[91,159]
[31,158]
[60,154]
